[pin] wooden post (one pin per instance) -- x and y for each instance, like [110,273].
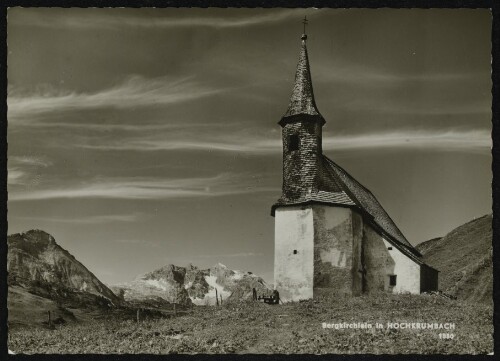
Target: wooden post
[138,315]
[50,319]
[221,299]
[216,297]
[175,311]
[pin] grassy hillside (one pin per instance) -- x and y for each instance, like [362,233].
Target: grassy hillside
[464,259]
[252,327]
[424,247]
[27,309]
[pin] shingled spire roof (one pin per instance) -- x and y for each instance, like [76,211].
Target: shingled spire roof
[302,99]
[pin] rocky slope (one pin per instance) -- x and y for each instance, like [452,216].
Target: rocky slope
[464,259]
[37,263]
[190,285]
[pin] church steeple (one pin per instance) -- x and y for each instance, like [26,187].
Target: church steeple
[302,99]
[302,136]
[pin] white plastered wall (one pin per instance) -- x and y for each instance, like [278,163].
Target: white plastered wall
[293,273]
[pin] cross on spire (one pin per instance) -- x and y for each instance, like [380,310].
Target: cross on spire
[304,21]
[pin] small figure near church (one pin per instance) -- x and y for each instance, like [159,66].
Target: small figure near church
[276,297]
[331,234]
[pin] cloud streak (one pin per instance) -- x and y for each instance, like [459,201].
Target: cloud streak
[452,140]
[106,127]
[121,18]
[15,176]
[135,91]
[27,160]
[23,170]
[96,219]
[148,189]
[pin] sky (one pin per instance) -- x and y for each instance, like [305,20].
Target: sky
[144,137]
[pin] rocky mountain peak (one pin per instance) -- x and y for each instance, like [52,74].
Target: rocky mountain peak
[35,260]
[32,242]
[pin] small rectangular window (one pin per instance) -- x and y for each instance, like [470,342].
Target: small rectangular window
[389,248]
[294,251]
[293,142]
[392,280]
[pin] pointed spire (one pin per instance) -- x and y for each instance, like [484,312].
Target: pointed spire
[302,99]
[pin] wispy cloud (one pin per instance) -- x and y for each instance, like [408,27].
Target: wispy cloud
[153,189]
[148,125]
[24,170]
[456,140]
[120,18]
[29,160]
[95,219]
[15,176]
[453,140]
[224,144]
[136,91]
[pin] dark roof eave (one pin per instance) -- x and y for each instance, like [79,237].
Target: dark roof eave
[308,202]
[301,118]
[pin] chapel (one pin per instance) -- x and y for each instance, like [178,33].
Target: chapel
[331,233]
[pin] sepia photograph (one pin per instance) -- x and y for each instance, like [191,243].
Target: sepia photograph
[249,181]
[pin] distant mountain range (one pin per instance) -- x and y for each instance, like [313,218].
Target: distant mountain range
[42,276]
[464,258]
[191,285]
